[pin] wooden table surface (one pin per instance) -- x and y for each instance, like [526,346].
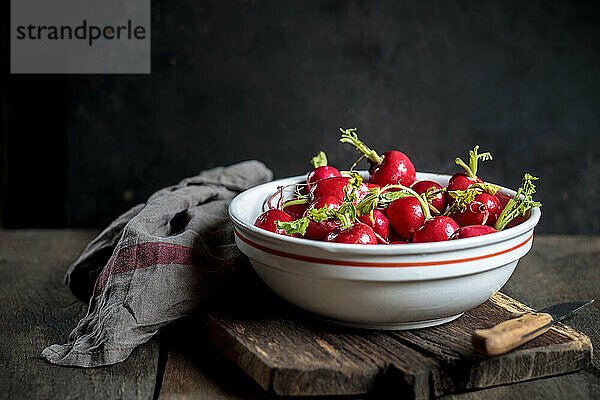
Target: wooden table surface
[37,310]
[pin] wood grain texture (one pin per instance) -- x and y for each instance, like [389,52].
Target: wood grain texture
[36,310]
[290,354]
[559,351]
[32,263]
[196,370]
[558,268]
[293,359]
[562,268]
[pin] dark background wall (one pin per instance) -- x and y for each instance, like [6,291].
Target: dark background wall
[274,80]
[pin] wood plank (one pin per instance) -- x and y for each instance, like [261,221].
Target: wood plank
[38,310]
[558,268]
[289,354]
[291,359]
[311,358]
[196,370]
[561,268]
[559,351]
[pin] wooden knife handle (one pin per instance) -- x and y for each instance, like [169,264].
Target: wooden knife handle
[510,334]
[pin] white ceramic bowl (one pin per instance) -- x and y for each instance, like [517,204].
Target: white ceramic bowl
[379,287]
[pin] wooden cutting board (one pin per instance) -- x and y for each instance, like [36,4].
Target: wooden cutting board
[289,353]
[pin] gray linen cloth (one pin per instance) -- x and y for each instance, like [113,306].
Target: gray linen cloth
[154,264]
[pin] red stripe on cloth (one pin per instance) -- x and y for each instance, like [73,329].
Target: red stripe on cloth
[143,255]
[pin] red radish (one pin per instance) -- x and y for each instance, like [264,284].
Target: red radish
[381,224]
[436,229]
[493,205]
[295,210]
[321,173]
[475,213]
[333,203]
[372,185]
[519,219]
[411,218]
[303,190]
[394,237]
[472,231]
[395,168]
[267,220]
[321,170]
[504,198]
[462,181]
[357,233]
[319,230]
[399,242]
[334,187]
[470,207]
[406,216]
[438,201]
[390,168]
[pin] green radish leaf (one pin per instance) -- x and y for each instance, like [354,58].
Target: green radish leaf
[321,214]
[368,203]
[294,227]
[462,199]
[387,197]
[347,213]
[520,204]
[299,226]
[486,187]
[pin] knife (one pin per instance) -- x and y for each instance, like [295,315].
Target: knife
[512,333]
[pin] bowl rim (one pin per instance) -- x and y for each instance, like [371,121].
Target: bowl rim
[389,250]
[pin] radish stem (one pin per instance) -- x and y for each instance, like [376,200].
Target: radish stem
[520,204]
[320,160]
[349,136]
[269,201]
[294,202]
[474,158]
[422,200]
[356,162]
[432,208]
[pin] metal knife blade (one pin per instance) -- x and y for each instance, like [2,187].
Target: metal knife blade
[563,310]
[558,312]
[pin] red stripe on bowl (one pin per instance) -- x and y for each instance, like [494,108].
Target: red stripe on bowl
[375,264]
